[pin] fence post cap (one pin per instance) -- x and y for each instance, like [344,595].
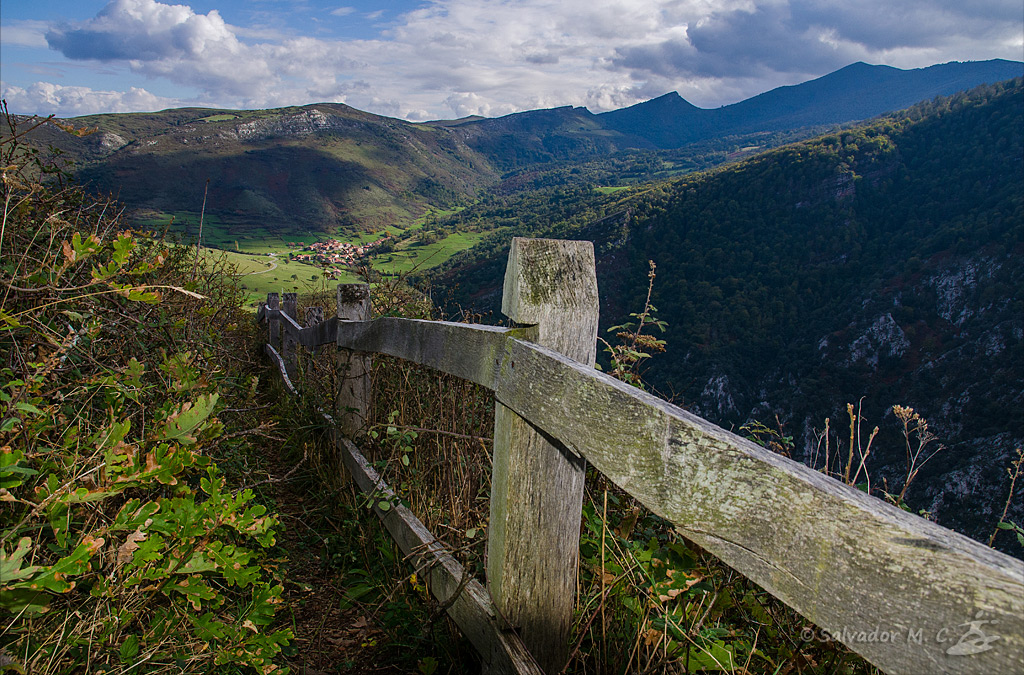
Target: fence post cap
[545,274]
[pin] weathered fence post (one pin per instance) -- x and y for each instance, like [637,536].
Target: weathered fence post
[314,315]
[353,367]
[537,487]
[273,321]
[289,344]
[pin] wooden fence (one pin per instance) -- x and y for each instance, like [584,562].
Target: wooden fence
[908,595]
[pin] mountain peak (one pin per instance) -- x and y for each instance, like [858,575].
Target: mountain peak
[670,102]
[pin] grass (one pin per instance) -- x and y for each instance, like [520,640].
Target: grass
[262,274]
[261,255]
[228,236]
[411,256]
[612,189]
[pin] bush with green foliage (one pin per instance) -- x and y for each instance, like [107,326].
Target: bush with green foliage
[121,545]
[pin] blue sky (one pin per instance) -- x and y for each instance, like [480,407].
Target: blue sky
[432,59]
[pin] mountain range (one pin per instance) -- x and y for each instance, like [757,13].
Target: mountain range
[856,92]
[328,166]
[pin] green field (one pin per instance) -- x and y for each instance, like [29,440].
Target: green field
[411,256]
[260,255]
[262,274]
[229,237]
[263,267]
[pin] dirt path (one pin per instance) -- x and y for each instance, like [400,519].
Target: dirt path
[273,266]
[328,639]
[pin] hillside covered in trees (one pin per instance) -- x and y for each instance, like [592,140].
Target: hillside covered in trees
[879,264]
[328,168]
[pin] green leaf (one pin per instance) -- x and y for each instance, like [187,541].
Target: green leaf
[19,469]
[183,425]
[29,408]
[83,249]
[353,594]
[109,440]
[10,566]
[8,321]
[57,517]
[715,656]
[129,648]
[18,600]
[9,465]
[195,590]
[196,564]
[265,601]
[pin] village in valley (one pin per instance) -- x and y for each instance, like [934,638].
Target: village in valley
[333,252]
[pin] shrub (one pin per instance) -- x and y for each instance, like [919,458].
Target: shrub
[121,544]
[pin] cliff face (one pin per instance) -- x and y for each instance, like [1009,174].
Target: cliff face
[906,289]
[956,358]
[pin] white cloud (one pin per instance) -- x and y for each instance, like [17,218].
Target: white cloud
[25,33]
[45,98]
[343,11]
[493,57]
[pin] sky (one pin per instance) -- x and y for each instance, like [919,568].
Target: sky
[444,59]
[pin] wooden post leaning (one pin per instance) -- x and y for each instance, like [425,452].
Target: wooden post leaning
[289,344]
[314,316]
[273,322]
[353,367]
[537,487]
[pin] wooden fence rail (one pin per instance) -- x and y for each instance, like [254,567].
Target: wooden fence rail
[908,595]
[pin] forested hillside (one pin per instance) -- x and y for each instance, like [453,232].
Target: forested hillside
[329,168]
[880,263]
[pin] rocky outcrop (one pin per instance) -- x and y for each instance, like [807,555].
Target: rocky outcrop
[882,339]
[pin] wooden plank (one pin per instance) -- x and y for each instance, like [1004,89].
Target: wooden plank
[315,317]
[466,600]
[852,564]
[848,562]
[353,397]
[312,336]
[325,332]
[551,283]
[533,536]
[290,304]
[290,310]
[289,325]
[273,320]
[472,352]
[469,605]
[279,362]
